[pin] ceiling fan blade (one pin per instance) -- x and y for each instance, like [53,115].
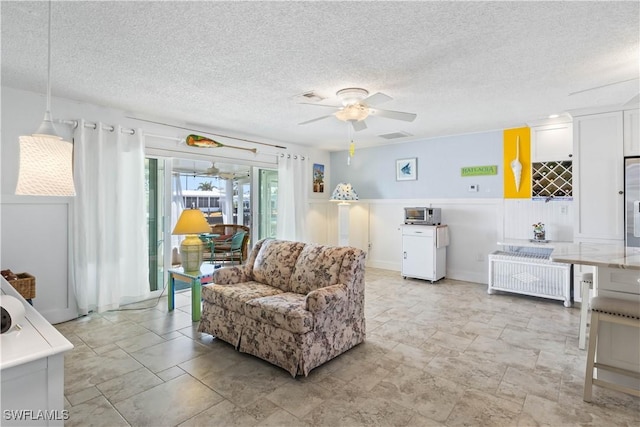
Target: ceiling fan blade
[337,107]
[376,99]
[396,115]
[358,125]
[316,119]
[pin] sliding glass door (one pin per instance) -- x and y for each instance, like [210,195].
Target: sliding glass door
[267,212]
[155,191]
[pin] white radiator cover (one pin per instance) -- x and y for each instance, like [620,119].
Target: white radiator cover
[530,274]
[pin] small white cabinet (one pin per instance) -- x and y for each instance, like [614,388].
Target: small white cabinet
[422,255]
[552,143]
[32,370]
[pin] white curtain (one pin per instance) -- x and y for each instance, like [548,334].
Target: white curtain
[293,187]
[110,246]
[177,206]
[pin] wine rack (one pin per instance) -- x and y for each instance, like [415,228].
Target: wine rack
[552,180]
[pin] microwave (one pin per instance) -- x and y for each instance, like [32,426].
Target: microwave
[422,216]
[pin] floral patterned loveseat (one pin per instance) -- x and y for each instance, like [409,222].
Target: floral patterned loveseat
[292,304]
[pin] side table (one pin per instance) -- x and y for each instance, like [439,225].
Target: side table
[196,279]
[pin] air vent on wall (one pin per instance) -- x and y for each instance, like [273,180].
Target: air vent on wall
[395,135]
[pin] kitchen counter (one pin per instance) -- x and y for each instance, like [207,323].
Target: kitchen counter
[617,275]
[595,254]
[598,255]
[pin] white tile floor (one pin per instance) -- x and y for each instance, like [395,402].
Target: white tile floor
[436,354]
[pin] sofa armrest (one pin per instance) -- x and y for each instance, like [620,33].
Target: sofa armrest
[231,275]
[326,298]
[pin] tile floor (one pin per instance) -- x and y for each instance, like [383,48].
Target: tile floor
[444,354]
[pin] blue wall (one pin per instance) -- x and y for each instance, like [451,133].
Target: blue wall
[372,171]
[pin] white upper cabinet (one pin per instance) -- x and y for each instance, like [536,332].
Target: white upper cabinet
[552,143]
[632,132]
[598,177]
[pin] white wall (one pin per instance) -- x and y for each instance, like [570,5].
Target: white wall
[475,227]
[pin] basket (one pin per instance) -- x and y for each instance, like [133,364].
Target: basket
[25,284]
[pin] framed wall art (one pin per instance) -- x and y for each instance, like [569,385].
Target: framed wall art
[407,169]
[318,178]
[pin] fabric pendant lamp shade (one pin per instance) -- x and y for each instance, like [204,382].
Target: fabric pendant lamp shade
[191,223]
[46,167]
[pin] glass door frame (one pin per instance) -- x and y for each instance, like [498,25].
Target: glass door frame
[258,202]
[164,211]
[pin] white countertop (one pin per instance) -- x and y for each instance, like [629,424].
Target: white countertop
[599,255]
[36,340]
[596,254]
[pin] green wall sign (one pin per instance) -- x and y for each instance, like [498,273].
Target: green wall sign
[479,170]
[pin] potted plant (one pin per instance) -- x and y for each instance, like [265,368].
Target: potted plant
[538,231]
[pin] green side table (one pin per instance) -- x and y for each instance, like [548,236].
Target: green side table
[196,279]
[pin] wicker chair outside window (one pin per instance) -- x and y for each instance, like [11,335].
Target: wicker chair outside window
[233,252]
[226,232]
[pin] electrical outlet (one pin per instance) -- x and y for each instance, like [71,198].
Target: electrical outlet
[564,210]
[472,188]
[480,257]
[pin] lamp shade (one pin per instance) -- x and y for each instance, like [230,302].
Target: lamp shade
[191,221]
[46,167]
[344,192]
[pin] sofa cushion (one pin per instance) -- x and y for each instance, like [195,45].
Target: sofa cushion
[233,297]
[285,310]
[318,266]
[275,262]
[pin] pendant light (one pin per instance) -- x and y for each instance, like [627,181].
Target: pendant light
[47,129]
[46,160]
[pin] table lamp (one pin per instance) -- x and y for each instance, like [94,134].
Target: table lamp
[343,193]
[191,223]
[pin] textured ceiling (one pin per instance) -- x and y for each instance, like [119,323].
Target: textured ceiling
[236,67]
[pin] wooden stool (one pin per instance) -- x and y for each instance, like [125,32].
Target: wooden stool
[610,310]
[586,284]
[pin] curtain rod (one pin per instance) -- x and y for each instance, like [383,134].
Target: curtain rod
[207,133]
[90,125]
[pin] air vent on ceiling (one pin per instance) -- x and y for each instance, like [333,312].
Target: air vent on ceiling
[395,135]
[309,96]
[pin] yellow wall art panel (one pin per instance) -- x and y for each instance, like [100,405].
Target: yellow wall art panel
[517,163]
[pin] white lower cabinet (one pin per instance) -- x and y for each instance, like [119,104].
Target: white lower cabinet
[32,370]
[619,345]
[422,258]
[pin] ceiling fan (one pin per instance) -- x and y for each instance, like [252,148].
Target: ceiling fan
[357,105]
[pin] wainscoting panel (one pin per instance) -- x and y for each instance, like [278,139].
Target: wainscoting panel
[35,239]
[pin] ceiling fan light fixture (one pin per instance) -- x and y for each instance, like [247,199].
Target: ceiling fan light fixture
[352,95]
[353,112]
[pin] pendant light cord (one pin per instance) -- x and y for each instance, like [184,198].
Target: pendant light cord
[49,62]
